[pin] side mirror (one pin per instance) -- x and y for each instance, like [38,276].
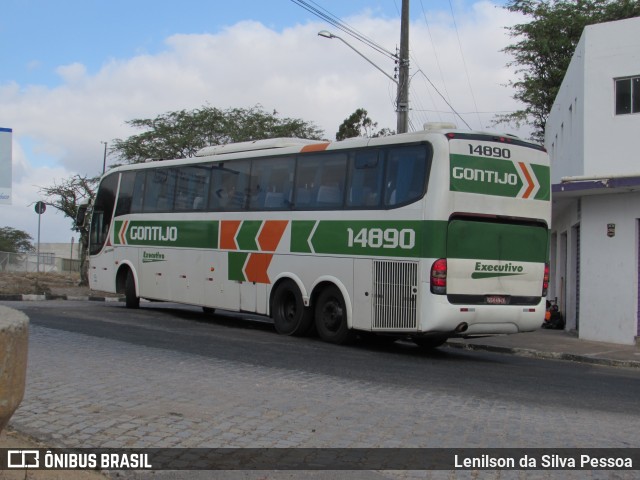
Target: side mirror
[81,216]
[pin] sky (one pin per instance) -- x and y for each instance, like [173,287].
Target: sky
[73,72]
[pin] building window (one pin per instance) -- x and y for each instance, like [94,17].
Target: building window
[627,95]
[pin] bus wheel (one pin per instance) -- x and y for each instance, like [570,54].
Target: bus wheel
[289,314]
[331,317]
[132,301]
[429,343]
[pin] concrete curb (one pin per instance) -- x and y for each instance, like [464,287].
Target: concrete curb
[531,353]
[39,298]
[14,341]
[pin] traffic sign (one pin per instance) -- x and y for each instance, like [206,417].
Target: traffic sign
[40,207]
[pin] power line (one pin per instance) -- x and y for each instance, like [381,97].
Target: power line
[443,98]
[320,12]
[464,63]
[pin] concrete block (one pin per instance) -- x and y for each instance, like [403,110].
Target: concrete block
[14,340]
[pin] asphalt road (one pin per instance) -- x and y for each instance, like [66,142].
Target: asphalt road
[167,375]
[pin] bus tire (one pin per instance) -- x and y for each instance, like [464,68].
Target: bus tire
[331,317]
[289,314]
[132,301]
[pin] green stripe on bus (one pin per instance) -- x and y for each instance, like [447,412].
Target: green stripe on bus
[378,238]
[236,265]
[543,174]
[246,237]
[167,233]
[497,241]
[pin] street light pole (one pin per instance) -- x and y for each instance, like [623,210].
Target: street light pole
[326,34]
[104,160]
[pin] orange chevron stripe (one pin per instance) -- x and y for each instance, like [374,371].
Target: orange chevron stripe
[256,268]
[315,147]
[228,231]
[121,233]
[532,185]
[271,234]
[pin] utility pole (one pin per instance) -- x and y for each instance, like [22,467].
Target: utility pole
[403,71]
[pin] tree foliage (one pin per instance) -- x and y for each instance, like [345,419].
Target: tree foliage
[67,195]
[358,124]
[544,47]
[182,133]
[13,240]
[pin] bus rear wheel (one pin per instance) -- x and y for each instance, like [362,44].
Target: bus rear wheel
[331,317]
[289,314]
[132,301]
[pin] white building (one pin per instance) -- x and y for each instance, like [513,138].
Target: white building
[593,138]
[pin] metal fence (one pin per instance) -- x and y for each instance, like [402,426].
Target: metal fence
[28,262]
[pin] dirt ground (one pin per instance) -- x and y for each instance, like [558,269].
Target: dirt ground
[51,283]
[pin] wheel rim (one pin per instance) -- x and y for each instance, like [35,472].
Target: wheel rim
[332,315]
[288,308]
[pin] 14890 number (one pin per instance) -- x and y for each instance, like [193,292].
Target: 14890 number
[382,238]
[487,151]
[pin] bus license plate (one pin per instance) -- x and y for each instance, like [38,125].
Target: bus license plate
[496,300]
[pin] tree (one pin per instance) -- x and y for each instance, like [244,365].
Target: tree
[544,48]
[13,240]
[358,124]
[182,133]
[66,197]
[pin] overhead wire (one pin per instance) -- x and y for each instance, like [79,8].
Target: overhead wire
[466,71]
[322,13]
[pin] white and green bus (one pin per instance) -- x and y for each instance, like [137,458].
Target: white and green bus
[425,235]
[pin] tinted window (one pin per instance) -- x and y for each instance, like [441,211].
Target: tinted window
[137,198]
[125,194]
[159,190]
[320,181]
[192,188]
[272,183]
[406,176]
[102,213]
[230,186]
[365,184]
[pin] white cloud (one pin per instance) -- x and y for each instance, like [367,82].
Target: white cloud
[294,72]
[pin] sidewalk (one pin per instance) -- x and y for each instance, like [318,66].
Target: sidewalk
[555,345]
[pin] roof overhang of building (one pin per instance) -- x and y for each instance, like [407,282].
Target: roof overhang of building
[575,187]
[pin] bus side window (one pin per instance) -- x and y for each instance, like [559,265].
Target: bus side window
[103,213]
[160,190]
[123,207]
[320,181]
[366,175]
[271,183]
[406,175]
[192,187]
[138,192]
[230,186]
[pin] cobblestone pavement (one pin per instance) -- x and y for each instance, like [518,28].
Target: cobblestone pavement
[85,391]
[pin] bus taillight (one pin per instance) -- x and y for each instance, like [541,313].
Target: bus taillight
[439,277]
[545,280]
